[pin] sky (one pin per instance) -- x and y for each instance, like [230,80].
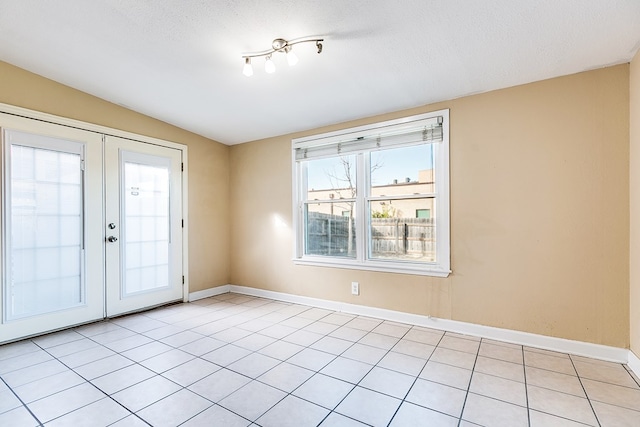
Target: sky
[396,163]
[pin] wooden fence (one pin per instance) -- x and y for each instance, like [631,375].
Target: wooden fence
[404,238]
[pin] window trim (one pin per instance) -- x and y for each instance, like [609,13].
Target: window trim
[440,268]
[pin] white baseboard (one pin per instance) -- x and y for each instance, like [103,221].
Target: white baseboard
[634,363]
[579,348]
[211,292]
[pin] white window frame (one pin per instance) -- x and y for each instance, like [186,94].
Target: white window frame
[439,268]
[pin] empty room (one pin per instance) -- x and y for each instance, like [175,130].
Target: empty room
[305,213]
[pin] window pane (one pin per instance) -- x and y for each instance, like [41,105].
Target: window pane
[402,231]
[403,171]
[330,229]
[146,227]
[46,232]
[332,178]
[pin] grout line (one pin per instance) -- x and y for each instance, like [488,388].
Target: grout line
[585,391]
[526,388]
[415,380]
[473,369]
[24,405]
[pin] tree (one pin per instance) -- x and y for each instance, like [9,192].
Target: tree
[343,183]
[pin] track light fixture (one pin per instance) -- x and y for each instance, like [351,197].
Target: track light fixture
[278,45]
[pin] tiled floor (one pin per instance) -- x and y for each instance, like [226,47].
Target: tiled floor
[235,360]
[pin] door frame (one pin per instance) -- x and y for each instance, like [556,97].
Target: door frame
[106,131]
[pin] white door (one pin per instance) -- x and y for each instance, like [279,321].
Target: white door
[143,225]
[52,215]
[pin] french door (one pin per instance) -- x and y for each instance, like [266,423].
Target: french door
[91,226]
[143,225]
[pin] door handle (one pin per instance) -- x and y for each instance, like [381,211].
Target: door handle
[112,239]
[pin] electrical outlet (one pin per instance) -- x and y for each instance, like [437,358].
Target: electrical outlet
[355,288]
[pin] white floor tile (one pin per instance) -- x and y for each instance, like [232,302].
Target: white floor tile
[145,393]
[8,400]
[281,350]
[286,377]
[447,374]
[311,359]
[486,411]
[103,366]
[499,388]
[561,404]
[165,361]
[47,386]
[324,391]
[217,416]
[410,415]
[174,409]
[438,397]
[102,412]
[146,351]
[369,407]
[347,370]
[32,373]
[219,385]
[224,356]
[66,401]
[18,417]
[336,420]
[404,363]
[118,380]
[252,400]
[253,365]
[293,412]
[388,382]
[191,371]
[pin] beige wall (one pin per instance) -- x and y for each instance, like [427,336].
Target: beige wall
[208,163]
[539,214]
[634,232]
[540,206]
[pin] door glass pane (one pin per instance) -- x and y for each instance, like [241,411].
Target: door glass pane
[45,245]
[403,230]
[146,227]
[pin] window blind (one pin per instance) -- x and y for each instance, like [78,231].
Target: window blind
[427,131]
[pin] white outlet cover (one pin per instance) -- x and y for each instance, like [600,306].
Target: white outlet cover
[355,288]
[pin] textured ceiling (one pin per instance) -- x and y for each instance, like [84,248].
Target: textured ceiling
[179,61]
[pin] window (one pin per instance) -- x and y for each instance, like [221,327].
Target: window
[375,197]
[423,213]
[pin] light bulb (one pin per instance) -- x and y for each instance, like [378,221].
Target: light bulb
[292,59]
[269,66]
[248,69]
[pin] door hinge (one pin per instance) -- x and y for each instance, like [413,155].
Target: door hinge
[182,167]
[183,223]
[183,280]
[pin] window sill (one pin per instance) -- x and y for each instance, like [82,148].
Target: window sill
[384,267]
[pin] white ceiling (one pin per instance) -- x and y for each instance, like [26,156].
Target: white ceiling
[179,61]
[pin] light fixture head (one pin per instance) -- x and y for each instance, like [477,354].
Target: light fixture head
[278,45]
[247,70]
[292,58]
[269,66]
